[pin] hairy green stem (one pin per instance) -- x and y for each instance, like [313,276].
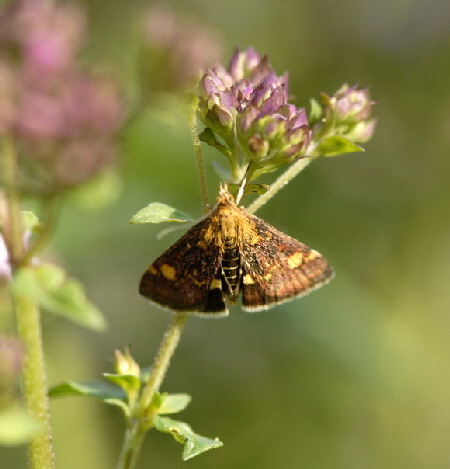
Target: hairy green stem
[131,447]
[28,321]
[282,180]
[199,160]
[34,381]
[162,359]
[139,423]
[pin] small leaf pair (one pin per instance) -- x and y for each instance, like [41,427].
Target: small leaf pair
[124,391]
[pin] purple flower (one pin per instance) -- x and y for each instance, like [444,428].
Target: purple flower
[349,112]
[249,101]
[349,102]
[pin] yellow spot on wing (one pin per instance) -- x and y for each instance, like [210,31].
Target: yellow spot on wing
[248,280]
[295,260]
[216,284]
[313,255]
[168,271]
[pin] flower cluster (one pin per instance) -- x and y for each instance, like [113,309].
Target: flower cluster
[347,113]
[247,104]
[245,108]
[174,51]
[60,116]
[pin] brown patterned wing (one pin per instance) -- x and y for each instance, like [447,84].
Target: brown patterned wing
[185,277]
[278,268]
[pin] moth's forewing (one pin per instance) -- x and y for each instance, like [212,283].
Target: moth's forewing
[182,278]
[278,268]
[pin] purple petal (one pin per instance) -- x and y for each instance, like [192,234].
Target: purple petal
[273,102]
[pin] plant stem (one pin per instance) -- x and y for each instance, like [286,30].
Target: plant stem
[282,180]
[139,424]
[199,160]
[162,359]
[34,381]
[28,322]
[131,447]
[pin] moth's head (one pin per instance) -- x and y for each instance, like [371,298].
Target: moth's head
[224,197]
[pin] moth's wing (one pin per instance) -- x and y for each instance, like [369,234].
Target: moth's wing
[185,277]
[277,268]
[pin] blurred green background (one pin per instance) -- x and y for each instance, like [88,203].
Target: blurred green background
[354,376]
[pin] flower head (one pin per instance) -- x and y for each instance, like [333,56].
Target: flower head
[349,112]
[249,101]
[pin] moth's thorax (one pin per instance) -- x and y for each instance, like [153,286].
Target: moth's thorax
[229,220]
[226,222]
[233,224]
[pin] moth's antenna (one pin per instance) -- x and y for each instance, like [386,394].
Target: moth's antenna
[242,185]
[240,192]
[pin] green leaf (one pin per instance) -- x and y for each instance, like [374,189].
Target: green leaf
[210,139]
[48,285]
[315,113]
[336,145]
[173,403]
[99,390]
[16,426]
[251,188]
[156,401]
[193,444]
[157,212]
[123,381]
[120,404]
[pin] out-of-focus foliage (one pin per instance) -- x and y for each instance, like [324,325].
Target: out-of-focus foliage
[352,376]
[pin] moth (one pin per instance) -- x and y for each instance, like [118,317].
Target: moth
[228,254]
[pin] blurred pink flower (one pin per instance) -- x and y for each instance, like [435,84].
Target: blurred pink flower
[61,116]
[47,34]
[175,50]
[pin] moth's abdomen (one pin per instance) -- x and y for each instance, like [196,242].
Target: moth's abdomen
[231,268]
